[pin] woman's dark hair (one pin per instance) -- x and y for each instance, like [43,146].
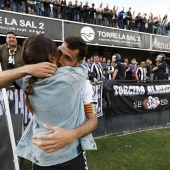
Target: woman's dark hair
[36,49]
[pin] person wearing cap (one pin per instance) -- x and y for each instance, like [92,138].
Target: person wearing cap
[120,69]
[160,70]
[10,52]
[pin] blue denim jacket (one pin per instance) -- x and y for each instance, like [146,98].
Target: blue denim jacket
[56,101]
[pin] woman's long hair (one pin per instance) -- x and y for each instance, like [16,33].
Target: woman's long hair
[36,49]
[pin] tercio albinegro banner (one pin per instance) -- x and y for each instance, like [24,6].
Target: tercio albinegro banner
[128,98]
[27,25]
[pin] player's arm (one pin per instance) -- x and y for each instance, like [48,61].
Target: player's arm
[45,69]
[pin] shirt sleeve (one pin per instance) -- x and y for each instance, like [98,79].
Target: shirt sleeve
[87,92]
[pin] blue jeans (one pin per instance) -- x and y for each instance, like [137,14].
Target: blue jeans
[55,13]
[99,21]
[159,30]
[16,7]
[23,7]
[111,24]
[92,21]
[77,17]
[38,10]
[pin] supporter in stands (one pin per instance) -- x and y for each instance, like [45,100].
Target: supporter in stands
[39,8]
[86,12]
[92,14]
[31,6]
[7,5]
[106,15]
[121,18]
[115,17]
[149,67]
[164,24]
[16,5]
[104,67]
[70,11]
[128,71]
[144,26]
[54,8]
[141,72]
[81,11]
[76,11]
[99,15]
[96,69]
[10,52]
[128,19]
[110,19]
[155,22]
[159,25]
[100,59]
[110,71]
[119,69]
[150,23]
[132,22]
[138,22]
[160,69]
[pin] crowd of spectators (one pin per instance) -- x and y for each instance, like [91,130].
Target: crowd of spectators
[100,68]
[79,12]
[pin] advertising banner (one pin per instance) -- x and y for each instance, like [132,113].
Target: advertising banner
[28,25]
[107,36]
[160,43]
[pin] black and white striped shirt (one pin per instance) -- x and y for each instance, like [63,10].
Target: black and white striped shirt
[97,70]
[141,72]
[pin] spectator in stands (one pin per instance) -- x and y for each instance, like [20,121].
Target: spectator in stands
[39,8]
[149,67]
[155,22]
[164,24]
[144,26]
[128,71]
[115,17]
[100,59]
[111,70]
[63,6]
[16,5]
[99,15]
[10,52]
[76,11]
[138,22]
[128,19]
[159,25]
[81,11]
[31,6]
[106,14]
[96,69]
[110,19]
[55,8]
[121,18]
[7,5]
[150,23]
[132,22]
[93,14]
[70,11]
[86,12]
[168,29]
[104,67]
[141,72]
[119,69]
[160,69]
